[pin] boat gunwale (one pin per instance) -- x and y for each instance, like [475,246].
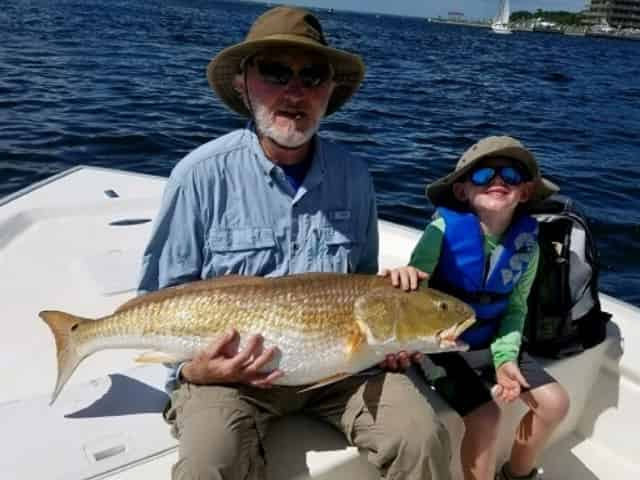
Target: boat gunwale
[64,173]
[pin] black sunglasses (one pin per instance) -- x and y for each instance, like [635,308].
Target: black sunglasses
[277,73]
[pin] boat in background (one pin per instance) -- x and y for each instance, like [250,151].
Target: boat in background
[602,28]
[74,242]
[544,26]
[500,23]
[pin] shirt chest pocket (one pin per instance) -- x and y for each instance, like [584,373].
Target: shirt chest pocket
[339,249]
[244,251]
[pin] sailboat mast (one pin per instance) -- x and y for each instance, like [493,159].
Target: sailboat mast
[506,12]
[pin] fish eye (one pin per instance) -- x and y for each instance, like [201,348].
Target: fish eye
[443,306]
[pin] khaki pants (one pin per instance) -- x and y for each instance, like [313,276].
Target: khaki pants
[221,428]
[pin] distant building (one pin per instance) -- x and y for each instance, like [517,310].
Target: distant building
[455,16]
[616,13]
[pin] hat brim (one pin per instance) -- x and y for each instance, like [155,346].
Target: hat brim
[222,69]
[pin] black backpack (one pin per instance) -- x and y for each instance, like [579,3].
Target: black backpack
[564,315]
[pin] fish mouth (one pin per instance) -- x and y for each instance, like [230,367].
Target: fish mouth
[448,337]
[461,327]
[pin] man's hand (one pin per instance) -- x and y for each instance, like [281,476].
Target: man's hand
[510,383]
[406,278]
[221,362]
[400,361]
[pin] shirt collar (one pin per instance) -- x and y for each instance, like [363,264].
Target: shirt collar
[317,169]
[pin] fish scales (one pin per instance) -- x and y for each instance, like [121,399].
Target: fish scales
[322,324]
[295,316]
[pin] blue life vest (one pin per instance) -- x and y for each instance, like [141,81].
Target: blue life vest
[485,284]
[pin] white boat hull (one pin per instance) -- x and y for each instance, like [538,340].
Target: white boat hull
[501,30]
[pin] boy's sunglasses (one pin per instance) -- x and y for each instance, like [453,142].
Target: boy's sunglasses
[277,73]
[484,175]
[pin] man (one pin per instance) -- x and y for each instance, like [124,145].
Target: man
[269,200]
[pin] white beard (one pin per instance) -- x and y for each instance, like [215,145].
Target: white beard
[285,136]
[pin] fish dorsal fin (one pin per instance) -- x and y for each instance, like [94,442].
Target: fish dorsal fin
[191,287]
[326,381]
[156,357]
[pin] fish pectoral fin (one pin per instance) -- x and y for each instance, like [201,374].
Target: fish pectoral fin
[326,381]
[356,339]
[156,357]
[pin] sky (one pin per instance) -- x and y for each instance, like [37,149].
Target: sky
[433,8]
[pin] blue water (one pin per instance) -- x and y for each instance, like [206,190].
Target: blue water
[122,84]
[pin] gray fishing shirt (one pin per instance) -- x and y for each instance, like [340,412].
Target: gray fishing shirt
[227,209]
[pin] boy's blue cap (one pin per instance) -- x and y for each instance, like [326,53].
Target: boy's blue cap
[440,192]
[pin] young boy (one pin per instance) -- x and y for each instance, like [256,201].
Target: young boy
[483,249]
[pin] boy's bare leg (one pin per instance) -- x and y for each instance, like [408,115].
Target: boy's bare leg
[548,405]
[478,451]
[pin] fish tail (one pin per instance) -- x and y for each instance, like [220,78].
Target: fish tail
[61,325]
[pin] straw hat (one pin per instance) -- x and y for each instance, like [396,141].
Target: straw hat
[440,192]
[277,28]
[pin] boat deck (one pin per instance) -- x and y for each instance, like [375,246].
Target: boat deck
[74,243]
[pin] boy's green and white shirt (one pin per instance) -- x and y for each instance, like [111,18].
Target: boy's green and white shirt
[506,345]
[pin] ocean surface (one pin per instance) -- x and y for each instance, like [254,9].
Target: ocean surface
[122,84]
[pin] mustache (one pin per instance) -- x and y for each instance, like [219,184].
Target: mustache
[299,105]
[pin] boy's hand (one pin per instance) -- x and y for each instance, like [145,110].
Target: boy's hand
[509,383]
[406,278]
